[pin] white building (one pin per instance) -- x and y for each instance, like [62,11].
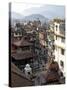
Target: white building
[28,70]
[59,42]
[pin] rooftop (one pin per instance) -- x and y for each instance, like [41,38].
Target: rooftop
[22,42]
[18,78]
[23,55]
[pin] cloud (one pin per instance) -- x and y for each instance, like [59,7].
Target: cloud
[48,11]
[20,7]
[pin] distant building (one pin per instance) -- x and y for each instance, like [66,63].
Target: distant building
[41,48]
[42,38]
[22,53]
[18,34]
[18,31]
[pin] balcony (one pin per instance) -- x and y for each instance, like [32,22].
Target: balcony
[59,44]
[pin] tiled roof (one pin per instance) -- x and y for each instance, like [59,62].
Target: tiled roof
[18,78]
[22,42]
[23,55]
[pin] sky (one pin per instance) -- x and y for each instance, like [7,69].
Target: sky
[48,11]
[21,7]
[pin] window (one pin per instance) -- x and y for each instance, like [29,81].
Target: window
[62,63]
[62,39]
[56,27]
[62,51]
[19,33]
[19,50]
[29,73]
[15,33]
[53,47]
[62,28]
[56,37]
